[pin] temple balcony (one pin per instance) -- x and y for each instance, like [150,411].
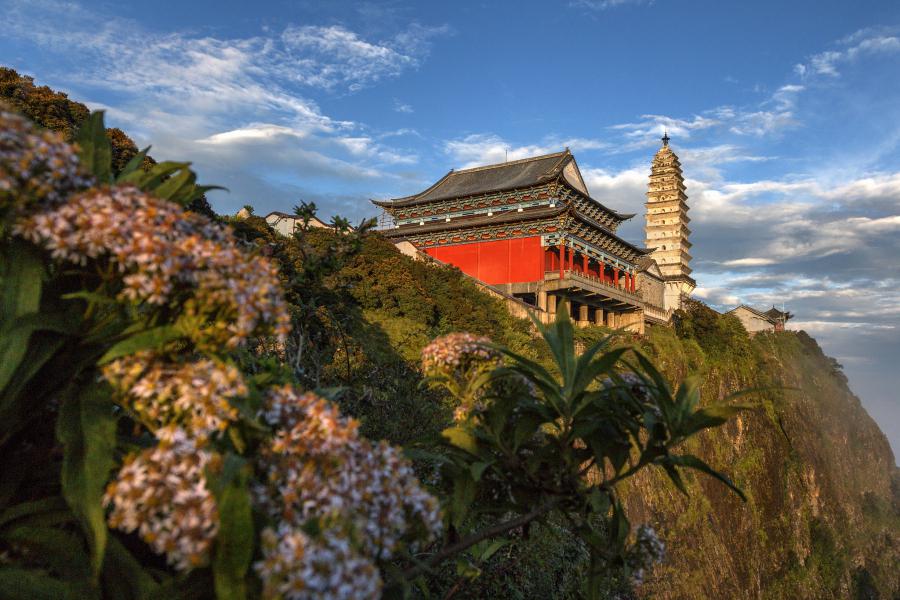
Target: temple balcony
[590,289]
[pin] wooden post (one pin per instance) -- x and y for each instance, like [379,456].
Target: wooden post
[616,276]
[584,264]
[562,261]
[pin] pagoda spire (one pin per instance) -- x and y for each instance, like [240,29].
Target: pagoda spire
[667,224]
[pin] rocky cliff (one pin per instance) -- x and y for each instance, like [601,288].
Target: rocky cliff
[821,520]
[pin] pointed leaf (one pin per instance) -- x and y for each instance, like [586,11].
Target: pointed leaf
[461,438]
[86,428]
[124,578]
[692,462]
[171,186]
[27,584]
[94,149]
[148,339]
[133,165]
[234,542]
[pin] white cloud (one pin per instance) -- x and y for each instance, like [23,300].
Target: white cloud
[656,125]
[190,95]
[402,107]
[484,149]
[332,56]
[256,131]
[865,42]
[606,4]
[749,262]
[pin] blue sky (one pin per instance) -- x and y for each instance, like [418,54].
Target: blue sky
[786,116]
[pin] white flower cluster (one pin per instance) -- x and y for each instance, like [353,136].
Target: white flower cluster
[195,396]
[648,550]
[166,254]
[161,492]
[295,567]
[318,467]
[457,351]
[35,166]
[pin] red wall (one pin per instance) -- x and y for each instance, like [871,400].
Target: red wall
[501,261]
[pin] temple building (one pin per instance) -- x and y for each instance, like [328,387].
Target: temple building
[530,230]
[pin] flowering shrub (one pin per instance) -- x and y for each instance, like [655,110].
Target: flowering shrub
[35,166]
[124,319]
[161,492]
[457,352]
[160,253]
[195,396]
[558,439]
[461,363]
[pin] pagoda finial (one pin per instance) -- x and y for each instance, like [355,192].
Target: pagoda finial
[665,138]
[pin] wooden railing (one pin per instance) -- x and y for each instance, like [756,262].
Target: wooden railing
[592,279]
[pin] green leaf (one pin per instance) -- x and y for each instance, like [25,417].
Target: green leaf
[477,469]
[461,498]
[150,180]
[41,349]
[61,550]
[675,476]
[170,187]
[134,164]
[692,462]
[461,438]
[94,149]
[711,416]
[86,428]
[123,576]
[25,509]
[148,339]
[22,272]
[234,542]
[485,553]
[28,584]
[525,429]
[21,276]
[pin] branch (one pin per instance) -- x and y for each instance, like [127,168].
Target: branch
[476,537]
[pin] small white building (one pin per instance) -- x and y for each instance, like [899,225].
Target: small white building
[755,321]
[286,224]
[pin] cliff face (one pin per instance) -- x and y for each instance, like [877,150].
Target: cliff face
[822,516]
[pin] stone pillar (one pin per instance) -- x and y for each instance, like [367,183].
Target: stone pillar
[542,300]
[551,304]
[598,316]
[583,314]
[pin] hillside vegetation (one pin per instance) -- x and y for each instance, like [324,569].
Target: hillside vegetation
[821,520]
